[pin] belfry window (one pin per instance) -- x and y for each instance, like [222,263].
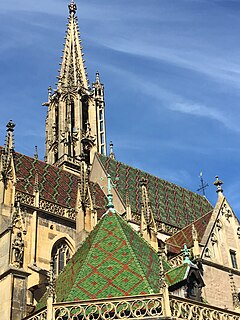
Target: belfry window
[60,256]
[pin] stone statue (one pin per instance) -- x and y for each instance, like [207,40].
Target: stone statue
[18,250]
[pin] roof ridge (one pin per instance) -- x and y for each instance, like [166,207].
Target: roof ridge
[130,247]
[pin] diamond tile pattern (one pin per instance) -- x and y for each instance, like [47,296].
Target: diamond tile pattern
[113,261]
[55,185]
[170,203]
[184,236]
[177,274]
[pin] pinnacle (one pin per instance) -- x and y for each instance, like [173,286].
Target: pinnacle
[10,126]
[72,8]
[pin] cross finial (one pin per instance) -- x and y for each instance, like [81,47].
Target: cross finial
[218,183]
[72,8]
[203,185]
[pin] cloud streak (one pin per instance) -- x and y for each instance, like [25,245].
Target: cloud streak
[176,103]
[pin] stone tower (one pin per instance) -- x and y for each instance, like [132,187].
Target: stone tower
[75,123]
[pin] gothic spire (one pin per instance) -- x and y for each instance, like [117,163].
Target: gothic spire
[75,122]
[73,71]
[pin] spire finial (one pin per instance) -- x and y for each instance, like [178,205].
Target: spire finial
[72,8]
[97,77]
[218,183]
[111,155]
[36,153]
[110,204]
[9,144]
[186,254]
[10,126]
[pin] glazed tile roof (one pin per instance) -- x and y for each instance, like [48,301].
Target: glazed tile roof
[55,185]
[176,242]
[177,274]
[99,199]
[170,203]
[113,261]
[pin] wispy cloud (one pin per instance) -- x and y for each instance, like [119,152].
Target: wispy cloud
[204,111]
[177,103]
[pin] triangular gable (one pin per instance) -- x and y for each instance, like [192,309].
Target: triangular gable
[221,235]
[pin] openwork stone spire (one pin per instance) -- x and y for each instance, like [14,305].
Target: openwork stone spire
[73,71]
[75,123]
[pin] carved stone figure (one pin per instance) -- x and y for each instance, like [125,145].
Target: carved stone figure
[18,251]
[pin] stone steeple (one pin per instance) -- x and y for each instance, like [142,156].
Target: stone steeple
[75,124]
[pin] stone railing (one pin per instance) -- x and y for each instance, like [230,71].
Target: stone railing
[187,309]
[129,308]
[151,306]
[47,206]
[176,261]
[41,315]
[136,307]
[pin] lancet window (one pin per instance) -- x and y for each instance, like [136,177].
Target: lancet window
[60,255]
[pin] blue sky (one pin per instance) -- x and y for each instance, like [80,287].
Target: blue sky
[171,70]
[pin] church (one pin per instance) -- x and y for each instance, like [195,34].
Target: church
[85,236]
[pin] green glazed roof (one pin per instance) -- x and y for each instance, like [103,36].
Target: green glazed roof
[170,203]
[113,261]
[177,274]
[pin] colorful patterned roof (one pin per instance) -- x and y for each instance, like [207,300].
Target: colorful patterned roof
[99,199]
[184,236]
[178,274]
[55,185]
[170,203]
[113,261]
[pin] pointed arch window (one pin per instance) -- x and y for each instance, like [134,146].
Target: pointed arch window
[61,254]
